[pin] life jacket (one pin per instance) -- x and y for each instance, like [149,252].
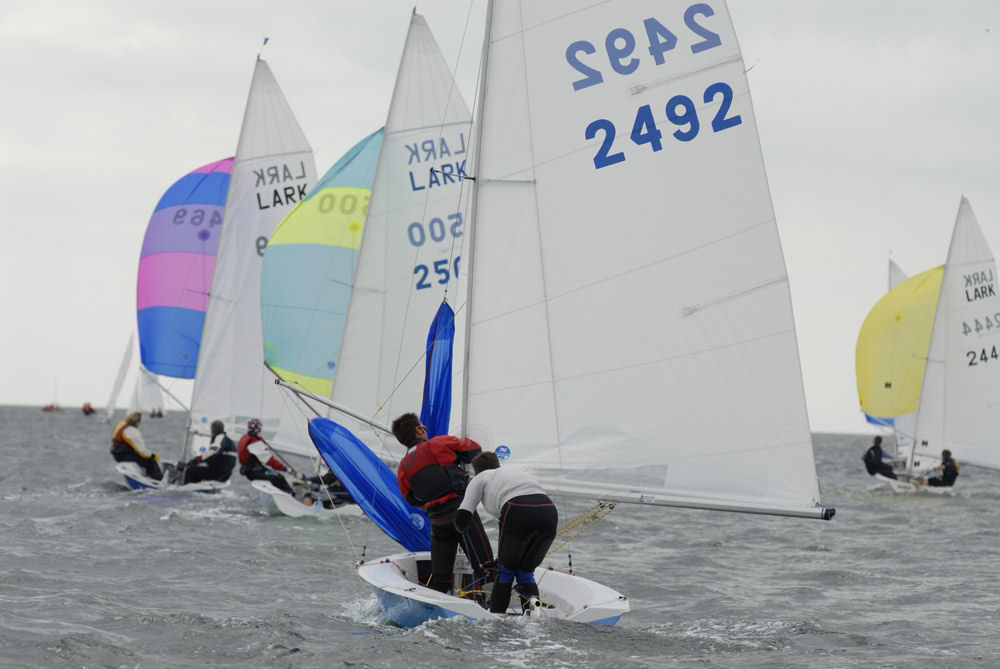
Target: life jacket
[430,474]
[243,453]
[116,437]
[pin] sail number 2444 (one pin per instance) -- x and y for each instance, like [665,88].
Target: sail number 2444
[681,110]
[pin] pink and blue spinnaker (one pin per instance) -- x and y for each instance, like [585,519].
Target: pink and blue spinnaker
[175,269]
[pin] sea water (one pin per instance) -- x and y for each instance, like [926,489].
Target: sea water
[95,575]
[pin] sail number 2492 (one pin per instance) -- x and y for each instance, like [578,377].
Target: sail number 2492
[681,111]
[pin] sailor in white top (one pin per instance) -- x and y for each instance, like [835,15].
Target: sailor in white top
[528,522]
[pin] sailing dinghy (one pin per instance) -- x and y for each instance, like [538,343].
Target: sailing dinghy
[942,328]
[890,357]
[271,172]
[625,329]
[175,272]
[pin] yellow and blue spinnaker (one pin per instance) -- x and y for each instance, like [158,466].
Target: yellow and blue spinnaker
[308,269]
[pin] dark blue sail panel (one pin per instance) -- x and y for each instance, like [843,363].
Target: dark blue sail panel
[436,411]
[372,484]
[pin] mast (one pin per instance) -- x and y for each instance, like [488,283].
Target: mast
[473,214]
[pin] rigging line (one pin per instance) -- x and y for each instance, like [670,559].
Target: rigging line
[580,518]
[601,511]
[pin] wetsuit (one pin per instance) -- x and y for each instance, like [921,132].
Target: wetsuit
[127,446]
[528,523]
[216,467]
[874,463]
[948,475]
[258,463]
[431,477]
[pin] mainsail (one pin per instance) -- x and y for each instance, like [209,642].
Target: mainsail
[961,386]
[410,254]
[272,172]
[896,274]
[175,269]
[147,397]
[630,327]
[116,386]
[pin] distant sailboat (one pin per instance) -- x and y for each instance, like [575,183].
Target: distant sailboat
[956,409]
[891,353]
[271,172]
[116,387]
[653,363]
[147,397]
[175,272]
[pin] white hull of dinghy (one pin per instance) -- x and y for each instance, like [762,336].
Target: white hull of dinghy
[405,602]
[907,487]
[136,479]
[289,506]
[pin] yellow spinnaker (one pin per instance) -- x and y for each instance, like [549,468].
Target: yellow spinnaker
[893,344]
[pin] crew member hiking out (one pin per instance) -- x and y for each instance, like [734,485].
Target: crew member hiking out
[257,462]
[127,446]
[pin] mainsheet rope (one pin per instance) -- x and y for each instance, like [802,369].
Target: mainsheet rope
[593,514]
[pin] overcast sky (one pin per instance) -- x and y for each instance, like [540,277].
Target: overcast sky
[874,116]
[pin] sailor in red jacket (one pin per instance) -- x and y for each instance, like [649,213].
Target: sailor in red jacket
[431,477]
[257,462]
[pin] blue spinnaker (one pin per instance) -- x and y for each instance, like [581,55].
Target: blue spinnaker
[372,484]
[435,413]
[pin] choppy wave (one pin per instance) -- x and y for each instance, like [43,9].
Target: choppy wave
[93,574]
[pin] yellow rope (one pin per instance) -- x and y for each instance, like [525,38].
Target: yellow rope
[593,514]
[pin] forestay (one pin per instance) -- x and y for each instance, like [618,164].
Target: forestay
[632,335]
[272,171]
[958,400]
[411,250]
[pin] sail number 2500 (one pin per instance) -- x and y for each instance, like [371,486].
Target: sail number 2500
[433,231]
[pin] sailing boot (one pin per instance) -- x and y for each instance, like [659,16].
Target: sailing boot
[501,597]
[528,593]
